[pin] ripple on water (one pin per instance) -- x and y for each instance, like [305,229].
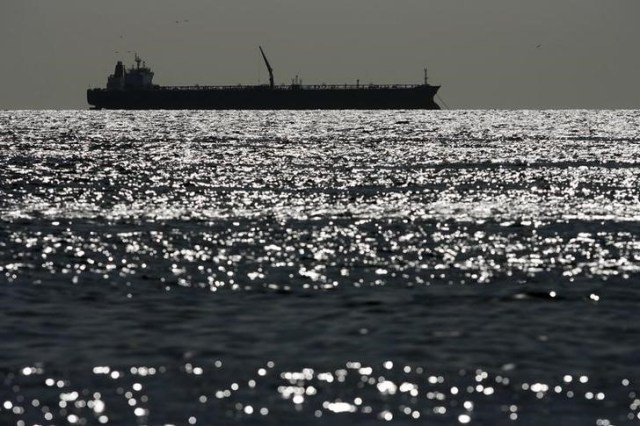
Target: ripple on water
[334,267]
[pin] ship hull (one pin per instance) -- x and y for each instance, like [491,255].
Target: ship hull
[261,97]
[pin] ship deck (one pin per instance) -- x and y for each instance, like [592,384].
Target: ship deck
[297,87]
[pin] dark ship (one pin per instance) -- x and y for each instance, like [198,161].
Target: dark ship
[133,89]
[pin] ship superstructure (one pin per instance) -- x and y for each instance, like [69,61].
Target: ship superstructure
[134,78]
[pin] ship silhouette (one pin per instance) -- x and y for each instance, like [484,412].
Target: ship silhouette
[133,88]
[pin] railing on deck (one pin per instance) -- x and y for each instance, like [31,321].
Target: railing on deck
[297,87]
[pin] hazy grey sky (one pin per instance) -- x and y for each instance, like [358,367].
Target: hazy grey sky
[485,54]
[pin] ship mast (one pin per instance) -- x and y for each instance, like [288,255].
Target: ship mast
[266,61]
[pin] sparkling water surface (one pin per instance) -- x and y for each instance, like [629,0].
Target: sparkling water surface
[322,267]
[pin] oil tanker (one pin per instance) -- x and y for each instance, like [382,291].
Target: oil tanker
[133,88]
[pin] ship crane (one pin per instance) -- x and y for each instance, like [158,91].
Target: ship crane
[266,61]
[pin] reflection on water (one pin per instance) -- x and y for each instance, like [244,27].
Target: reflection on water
[319,267]
[353,393]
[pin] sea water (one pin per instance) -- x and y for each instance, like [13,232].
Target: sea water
[321,267]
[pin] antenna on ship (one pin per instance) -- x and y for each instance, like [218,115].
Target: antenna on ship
[266,61]
[426,76]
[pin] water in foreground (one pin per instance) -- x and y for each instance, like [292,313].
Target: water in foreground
[319,267]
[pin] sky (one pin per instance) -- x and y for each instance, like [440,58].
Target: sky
[507,54]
